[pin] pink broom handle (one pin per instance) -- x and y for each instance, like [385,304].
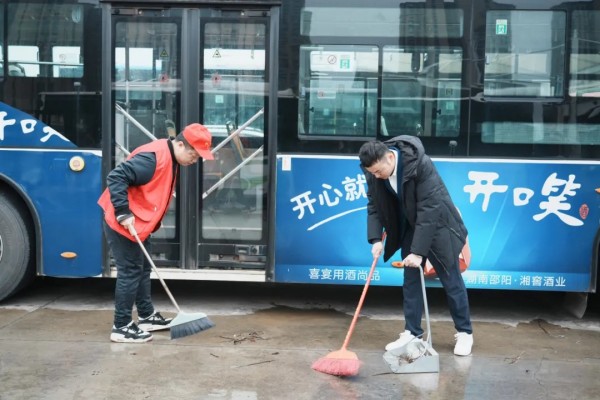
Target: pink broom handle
[360,302]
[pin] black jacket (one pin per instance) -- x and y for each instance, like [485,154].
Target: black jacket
[433,227]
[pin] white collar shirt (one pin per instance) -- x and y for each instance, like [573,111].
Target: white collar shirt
[393,179]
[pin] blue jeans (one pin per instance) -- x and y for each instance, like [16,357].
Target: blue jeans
[133,277]
[456,293]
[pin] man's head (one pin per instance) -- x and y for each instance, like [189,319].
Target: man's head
[194,142]
[378,159]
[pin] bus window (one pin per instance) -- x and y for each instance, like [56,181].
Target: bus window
[39,41]
[368,21]
[46,43]
[524,53]
[421,91]
[338,90]
[585,54]
[584,74]
[235,80]
[339,82]
[524,58]
[146,83]
[27,58]
[66,60]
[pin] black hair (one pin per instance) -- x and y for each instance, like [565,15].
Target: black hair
[181,138]
[371,152]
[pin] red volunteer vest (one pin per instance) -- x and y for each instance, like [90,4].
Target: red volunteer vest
[148,202]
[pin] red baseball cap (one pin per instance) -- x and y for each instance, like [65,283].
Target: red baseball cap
[200,139]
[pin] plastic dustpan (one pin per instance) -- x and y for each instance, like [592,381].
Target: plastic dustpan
[417,356]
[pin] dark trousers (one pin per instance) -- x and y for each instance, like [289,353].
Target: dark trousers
[133,277]
[456,293]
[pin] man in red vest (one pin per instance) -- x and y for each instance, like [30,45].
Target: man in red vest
[138,194]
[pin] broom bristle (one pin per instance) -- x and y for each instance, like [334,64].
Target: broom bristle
[187,325]
[338,363]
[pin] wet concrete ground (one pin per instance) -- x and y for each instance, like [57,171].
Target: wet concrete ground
[54,345]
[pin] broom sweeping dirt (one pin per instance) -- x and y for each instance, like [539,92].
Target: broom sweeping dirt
[344,362]
[183,324]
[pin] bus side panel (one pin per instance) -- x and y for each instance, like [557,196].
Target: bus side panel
[65,201]
[531,224]
[321,223]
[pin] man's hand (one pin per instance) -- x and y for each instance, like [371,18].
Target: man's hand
[413,260]
[377,249]
[129,224]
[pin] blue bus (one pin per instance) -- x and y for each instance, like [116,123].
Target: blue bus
[504,95]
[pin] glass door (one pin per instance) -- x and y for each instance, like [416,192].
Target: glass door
[146,87]
[232,99]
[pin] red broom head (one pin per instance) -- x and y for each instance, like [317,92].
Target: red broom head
[338,363]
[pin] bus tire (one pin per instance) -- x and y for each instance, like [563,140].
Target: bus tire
[16,252]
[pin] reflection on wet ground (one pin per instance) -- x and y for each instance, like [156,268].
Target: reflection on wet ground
[54,345]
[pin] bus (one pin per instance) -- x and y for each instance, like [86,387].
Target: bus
[504,95]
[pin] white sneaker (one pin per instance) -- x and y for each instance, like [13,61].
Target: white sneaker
[464,343]
[405,338]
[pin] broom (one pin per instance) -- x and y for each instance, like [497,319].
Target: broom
[183,324]
[344,362]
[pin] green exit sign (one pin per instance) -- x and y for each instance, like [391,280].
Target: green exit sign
[501,27]
[345,63]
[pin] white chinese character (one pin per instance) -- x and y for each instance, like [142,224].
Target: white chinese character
[325,273]
[302,201]
[324,197]
[494,279]
[313,273]
[350,274]
[51,132]
[355,188]
[338,274]
[28,125]
[5,122]
[483,184]
[521,196]
[556,204]
[362,275]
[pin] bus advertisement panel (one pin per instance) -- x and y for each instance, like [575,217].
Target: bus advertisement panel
[62,184]
[531,223]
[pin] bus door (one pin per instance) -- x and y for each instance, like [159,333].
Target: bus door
[232,228]
[172,67]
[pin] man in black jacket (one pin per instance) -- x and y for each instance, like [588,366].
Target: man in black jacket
[408,199]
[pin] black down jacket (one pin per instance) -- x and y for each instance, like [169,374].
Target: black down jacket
[434,228]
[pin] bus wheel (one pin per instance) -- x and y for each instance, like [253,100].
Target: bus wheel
[16,255]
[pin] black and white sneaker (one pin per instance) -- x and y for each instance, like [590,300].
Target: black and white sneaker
[155,322]
[130,333]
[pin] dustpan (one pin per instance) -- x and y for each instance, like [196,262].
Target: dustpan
[417,356]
